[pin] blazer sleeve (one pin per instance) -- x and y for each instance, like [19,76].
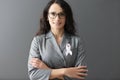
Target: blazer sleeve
[34,73]
[81,56]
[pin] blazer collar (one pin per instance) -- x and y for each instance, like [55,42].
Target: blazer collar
[50,34]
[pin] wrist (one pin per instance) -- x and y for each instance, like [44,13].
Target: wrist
[63,71]
[57,73]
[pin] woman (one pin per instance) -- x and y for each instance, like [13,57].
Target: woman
[56,53]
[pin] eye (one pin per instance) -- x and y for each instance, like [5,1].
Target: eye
[62,14]
[53,13]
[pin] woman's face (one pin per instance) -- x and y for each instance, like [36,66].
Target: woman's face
[56,17]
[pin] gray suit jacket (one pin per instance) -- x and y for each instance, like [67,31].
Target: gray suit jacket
[53,55]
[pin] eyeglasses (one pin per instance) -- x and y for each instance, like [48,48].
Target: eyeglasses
[53,15]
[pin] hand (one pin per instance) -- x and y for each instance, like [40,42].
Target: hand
[76,72]
[37,63]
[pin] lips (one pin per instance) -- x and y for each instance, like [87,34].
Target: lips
[57,23]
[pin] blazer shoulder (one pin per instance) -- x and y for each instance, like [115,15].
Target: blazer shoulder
[39,37]
[76,37]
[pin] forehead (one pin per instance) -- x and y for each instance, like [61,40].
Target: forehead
[55,8]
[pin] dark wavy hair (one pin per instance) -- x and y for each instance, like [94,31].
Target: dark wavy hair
[69,24]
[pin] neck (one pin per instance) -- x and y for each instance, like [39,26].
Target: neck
[58,33]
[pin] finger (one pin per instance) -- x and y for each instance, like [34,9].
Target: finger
[83,70]
[35,65]
[31,61]
[82,74]
[82,67]
[36,59]
[80,77]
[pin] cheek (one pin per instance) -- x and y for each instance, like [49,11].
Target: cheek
[63,22]
[49,21]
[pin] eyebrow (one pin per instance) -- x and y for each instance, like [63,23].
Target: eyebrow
[56,12]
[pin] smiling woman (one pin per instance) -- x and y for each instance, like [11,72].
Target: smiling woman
[56,51]
[98,21]
[56,19]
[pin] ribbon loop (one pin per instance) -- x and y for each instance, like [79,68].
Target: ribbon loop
[68,49]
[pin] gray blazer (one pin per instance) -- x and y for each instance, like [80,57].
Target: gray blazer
[55,56]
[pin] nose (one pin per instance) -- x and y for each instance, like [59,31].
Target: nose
[57,17]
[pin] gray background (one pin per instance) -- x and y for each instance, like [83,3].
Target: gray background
[98,22]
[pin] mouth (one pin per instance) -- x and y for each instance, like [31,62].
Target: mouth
[57,23]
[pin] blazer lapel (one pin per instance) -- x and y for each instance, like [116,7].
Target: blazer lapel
[66,39]
[51,38]
[59,49]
